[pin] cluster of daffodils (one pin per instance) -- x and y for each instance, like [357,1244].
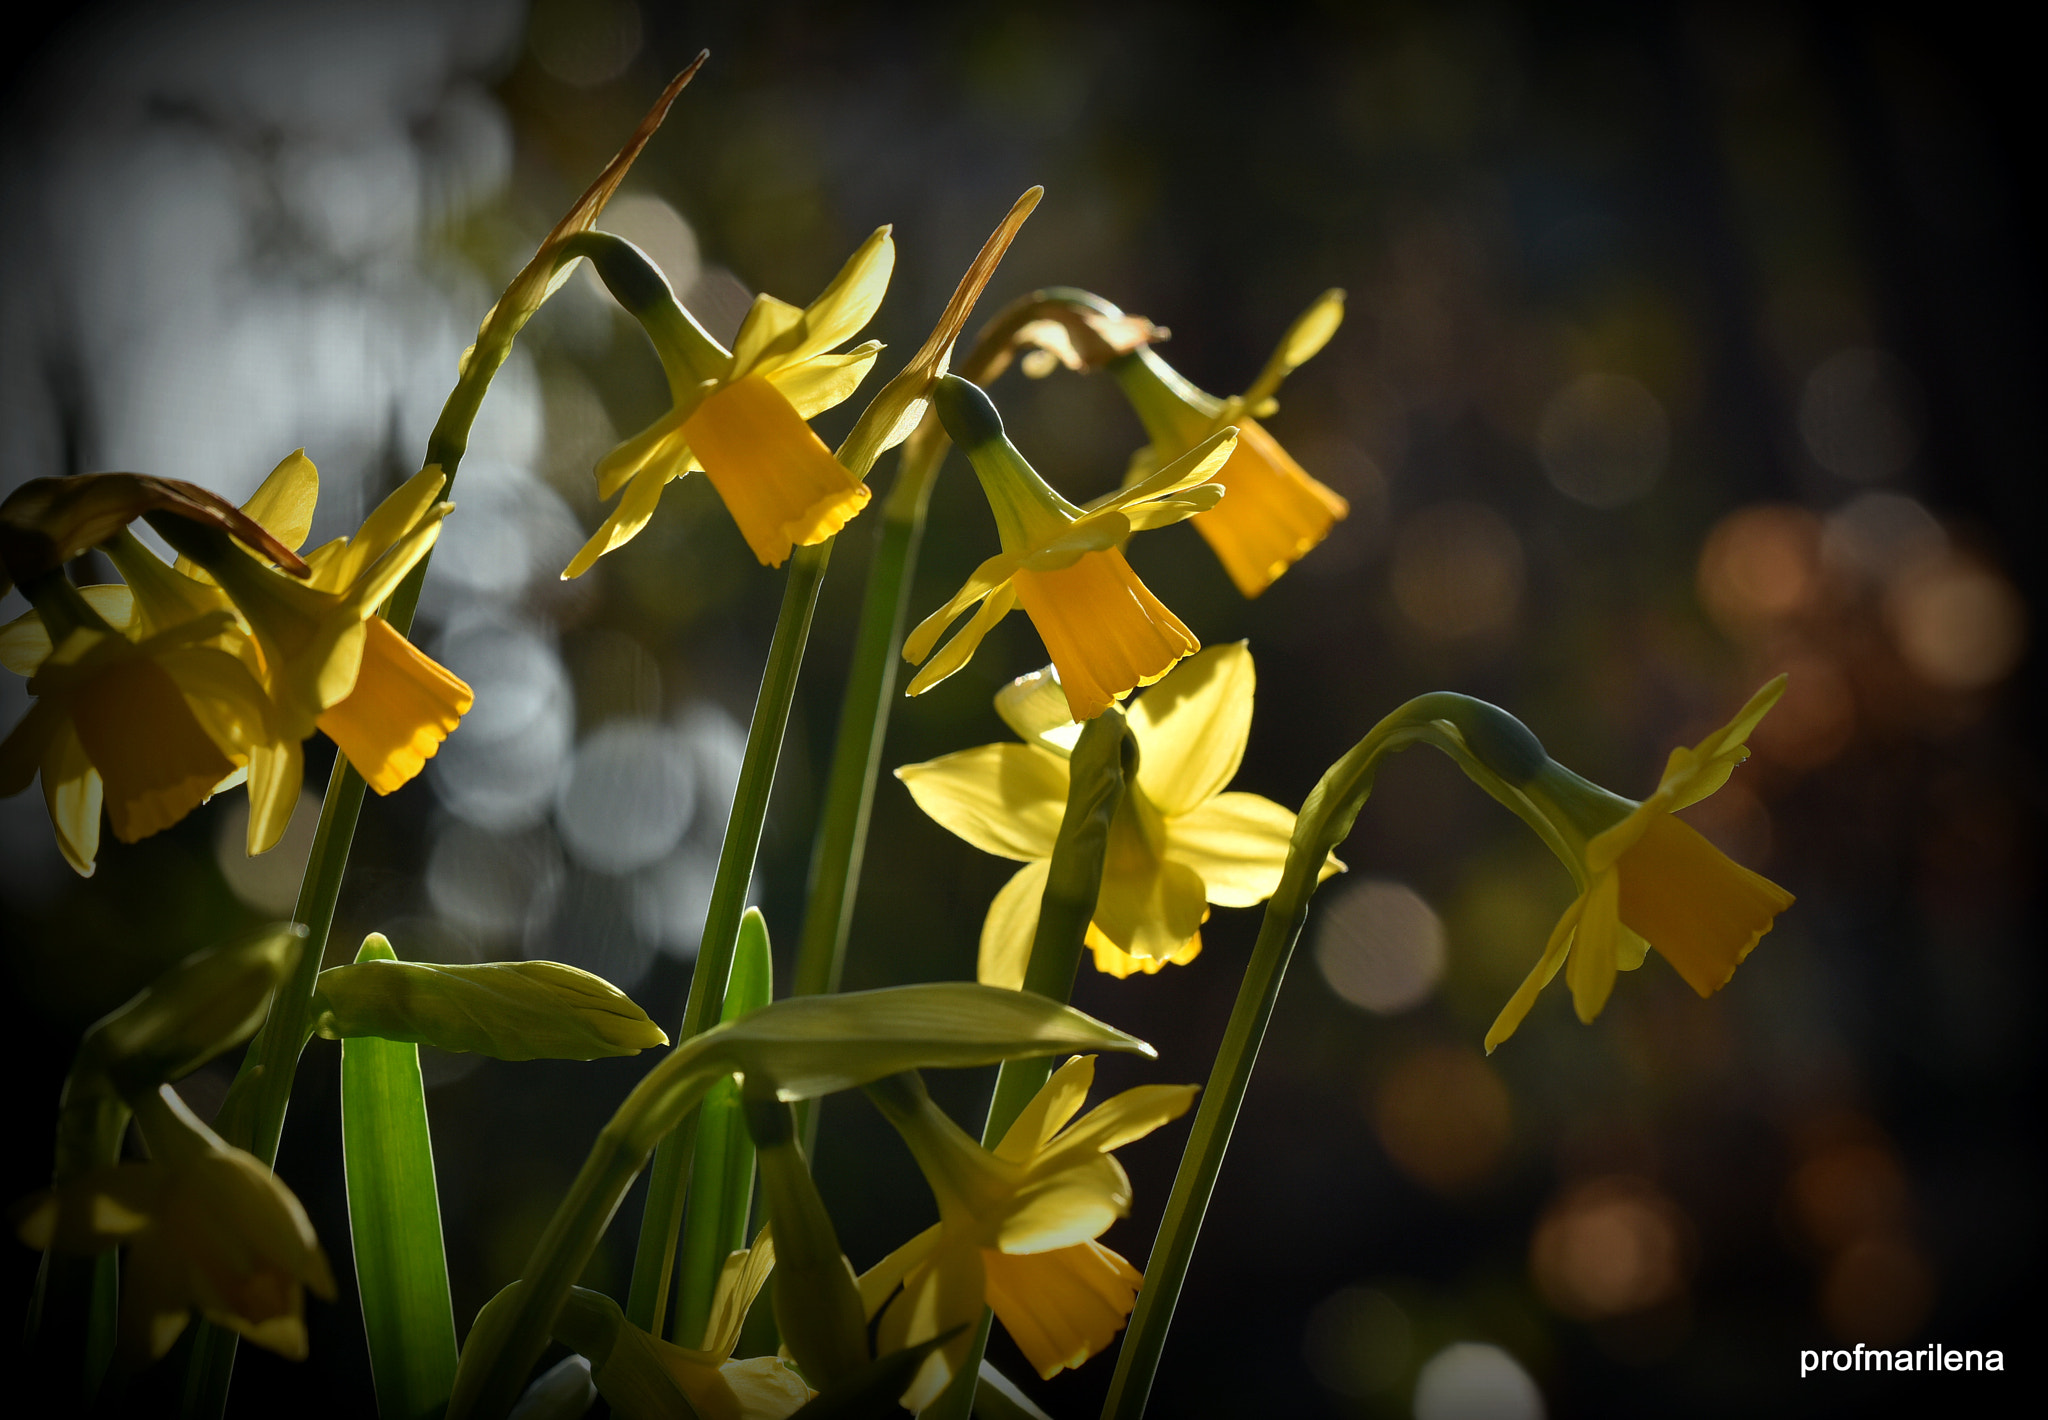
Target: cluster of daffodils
[186,678]
[190,677]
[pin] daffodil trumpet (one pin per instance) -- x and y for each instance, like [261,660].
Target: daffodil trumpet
[741,415]
[1065,565]
[1277,513]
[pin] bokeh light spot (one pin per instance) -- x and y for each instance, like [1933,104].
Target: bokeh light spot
[1876,536]
[585,42]
[1358,1342]
[1442,1115]
[268,882]
[1609,1247]
[1473,1381]
[1603,440]
[1380,946]
[1959,625]
[494,885]
[1457,571]
[1860,415]
[627,798]
[1877,1290]
[1760,564]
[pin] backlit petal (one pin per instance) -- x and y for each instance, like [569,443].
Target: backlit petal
[817,385]
[1151,913]
[1512,1014]
[1589,972]
[621,525]
[960,650]
[1238,843]
[1274,515]
[1007,931]
[155,760]
[1192,726]
[1113,960]
[1058,1100]
[73,793]
[1064,1306]
[283,502]
[1005,799]
[850,301]
[777,478]
[983,580]
[403,705]
[1064,1205]
[1701,910]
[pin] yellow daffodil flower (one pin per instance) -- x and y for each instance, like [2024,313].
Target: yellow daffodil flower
[327,661]
[640,1375]
[1178,842]
[1105,630]
[1276,512]
[1016,1227]
[1647,879]
[739,415]
[205,1226]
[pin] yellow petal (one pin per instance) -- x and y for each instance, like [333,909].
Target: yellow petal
[1005,799]
[283,502]
[403,705]
[945,1292]
[277,771]
[1058,1100]
[1112,960]
[777,478]
[1589,972]
[1274,516]
[850,301]
[1036,708]
[1104,629]
[1197,465]
[1058,1207]
[1517,1008]
[1165,512]
[25,641]
[817,385]
[960,650]
[767,335]
[1701,910]
[739,1282]
[621,525]
[1120,1119]
[1238,844]
[73,792]
[880,1282]
[155,760]
[766,1387]
[399,514]
[1192,726]
[1062,1307]
[1007,931]
[1150,913]
[660,447]
[1709,764]
[983,580]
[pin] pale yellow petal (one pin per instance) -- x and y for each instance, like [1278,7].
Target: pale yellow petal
[1238,843]
[1007,931]
[660,447]
[1036,708]
[277,771]
[817,385]
[1058,1207]
[1691,776]
[1005,799]
[621,525]
[1062,1307]
[1120,1119]
[391,520]
[1058,1100]
[767,336]
[1192,726]
[850,301]
[1165,512]
[1594,959]
[960,650]
[1150,913]
[983,580]
[73,793]
[947,1291]
[1197,465]
[1517,1008]
[880,1282]
[283,503]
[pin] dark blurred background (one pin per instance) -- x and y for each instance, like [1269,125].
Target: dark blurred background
[1687,344]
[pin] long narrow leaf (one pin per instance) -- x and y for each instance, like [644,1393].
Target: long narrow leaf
[722,1168]
[394,1220]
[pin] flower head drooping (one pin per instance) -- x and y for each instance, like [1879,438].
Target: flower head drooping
[1105,630]
[326,659]
[1276,512]
[739,414]
[1647,879]
[205,1226]
[1177,844]
[1017,1227]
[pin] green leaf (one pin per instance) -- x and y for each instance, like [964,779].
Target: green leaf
[722,1167]
[996,1397]
[394,1219]
[521,1010]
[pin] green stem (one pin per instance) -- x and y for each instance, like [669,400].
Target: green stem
[863,725]
[1103,763]
[1324,822]
[71,1320]
[668,1182]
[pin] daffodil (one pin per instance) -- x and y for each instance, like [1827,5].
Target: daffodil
[739,415]
[1647,879]
[641,1375]
[1178,843]
[1017,1227]
[1105,630]
[149,726]
[205,1226]
[1276,512]
[326,659]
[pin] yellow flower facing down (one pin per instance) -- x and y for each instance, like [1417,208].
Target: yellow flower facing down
[1276,512]
[1016,1227]
[149,727]
[205,1226]
[740,415]
[1104,629]
[1178,843]
[641,1375]
[1647,879]
[327,661]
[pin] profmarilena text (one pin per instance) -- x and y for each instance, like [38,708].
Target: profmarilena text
[1918,1358]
